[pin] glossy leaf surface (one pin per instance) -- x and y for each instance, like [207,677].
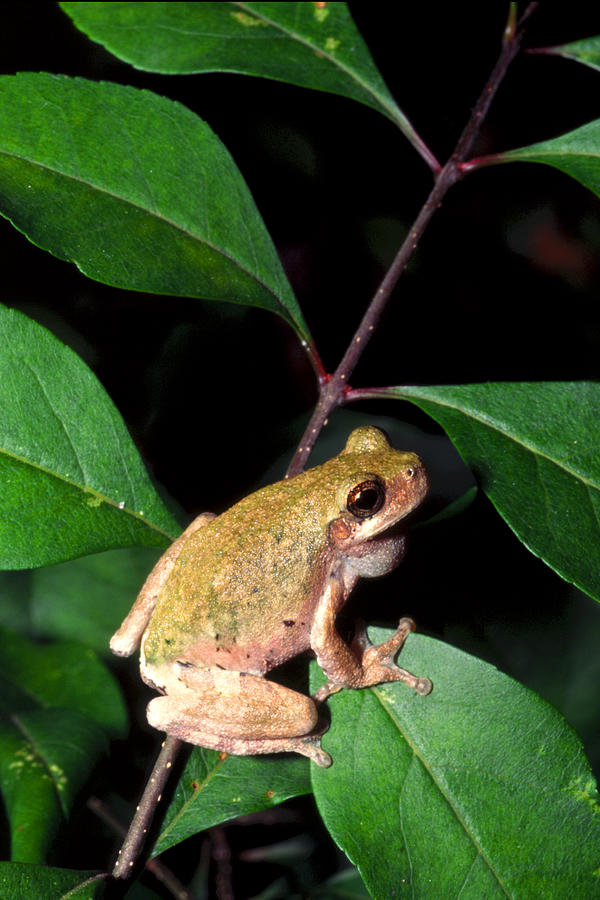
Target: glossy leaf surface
[72,480]
[480,789]
[23,881]
[535,448]
[213,789]
[309,44]
[52,731]
[160,207]
[576,154]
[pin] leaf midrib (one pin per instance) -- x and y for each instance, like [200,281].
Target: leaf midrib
[159,216]
[392,109]
[86,490]
[417,753]
[496,427]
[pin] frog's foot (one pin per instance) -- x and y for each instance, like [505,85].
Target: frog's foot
[378,666]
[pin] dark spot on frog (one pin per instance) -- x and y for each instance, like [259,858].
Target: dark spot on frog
[185,664]
[168,641]
[289,622]
[220,667]
[217,637]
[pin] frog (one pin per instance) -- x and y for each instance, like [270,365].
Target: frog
[240,593]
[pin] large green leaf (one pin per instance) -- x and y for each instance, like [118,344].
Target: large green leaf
[23,881]
[52,731]
[214,788]
[310,44]
[576,154]
[72,479]
[535,448]
[136,190]
[480,789]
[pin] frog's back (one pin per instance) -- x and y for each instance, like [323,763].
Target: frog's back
[240,594]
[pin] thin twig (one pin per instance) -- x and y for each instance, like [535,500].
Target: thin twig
[140,823]
[336,390]
[158,869]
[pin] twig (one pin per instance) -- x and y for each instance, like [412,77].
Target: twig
[160,871]
[335,390]
[140,823]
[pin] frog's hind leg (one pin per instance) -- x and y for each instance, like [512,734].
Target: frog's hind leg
[237,712]
[127,639]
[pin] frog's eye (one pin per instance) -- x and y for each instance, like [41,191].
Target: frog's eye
[365,499]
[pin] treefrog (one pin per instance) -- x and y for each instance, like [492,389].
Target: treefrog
[240,593]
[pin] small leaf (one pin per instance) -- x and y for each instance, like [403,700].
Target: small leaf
[72,480]
[159,207]
[576,154]
[52,732]
[586,51]
[480,789]
[309,44]
[23,881]
[214,788]
[535,449]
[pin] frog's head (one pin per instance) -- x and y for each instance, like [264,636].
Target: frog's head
[378,486]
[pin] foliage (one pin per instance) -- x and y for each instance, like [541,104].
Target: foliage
[480,789]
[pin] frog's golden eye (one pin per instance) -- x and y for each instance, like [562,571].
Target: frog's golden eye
[365,499]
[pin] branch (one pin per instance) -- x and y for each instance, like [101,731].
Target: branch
[144,813]
[335,390]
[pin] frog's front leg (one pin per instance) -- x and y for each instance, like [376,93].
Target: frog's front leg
[365,664]
[127,639]
[236,712]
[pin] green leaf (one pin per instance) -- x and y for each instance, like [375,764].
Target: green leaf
[312,45]
[55,750]
[52,732]
[480,789]
[576,154]
[72,480]
[586,51]
[136,190]
[70,600]
[35,676]
[535,448]
[215,787]
[23,881]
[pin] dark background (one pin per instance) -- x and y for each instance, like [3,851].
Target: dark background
[504,286]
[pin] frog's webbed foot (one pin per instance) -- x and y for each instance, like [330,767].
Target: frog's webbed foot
[377,661]
[375,664]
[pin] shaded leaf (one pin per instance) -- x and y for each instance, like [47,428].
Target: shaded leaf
[52,731]
[480,789]
[535,448]
[214,788]
[87,599]
[586,51]
[46,757]
[159,207]
[576,154]
[35,676]
[23,881]
[309,44]
[72,480]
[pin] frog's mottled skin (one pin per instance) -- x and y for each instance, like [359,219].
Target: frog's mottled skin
[241,593]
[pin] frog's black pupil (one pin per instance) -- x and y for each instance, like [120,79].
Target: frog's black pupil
[366,498]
